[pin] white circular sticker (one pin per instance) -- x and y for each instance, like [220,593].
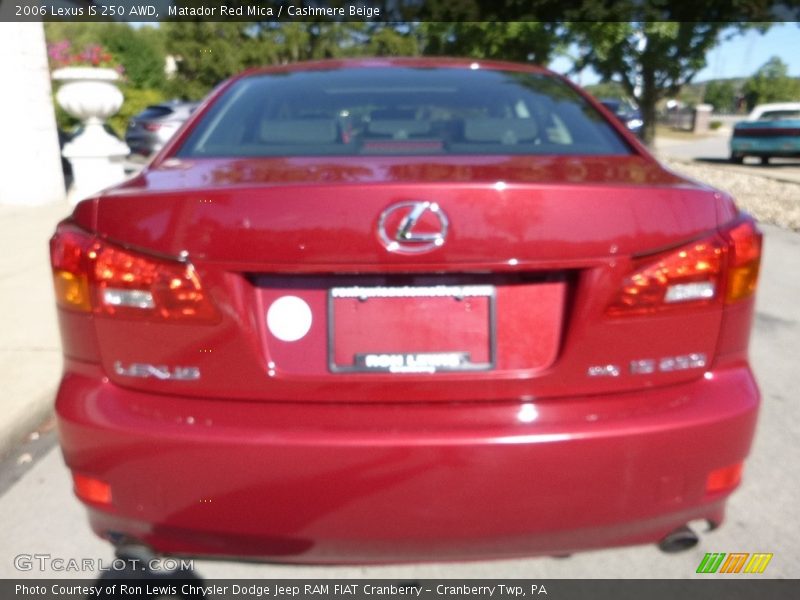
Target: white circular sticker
[289,318]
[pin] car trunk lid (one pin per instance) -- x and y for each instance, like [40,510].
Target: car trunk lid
[535,250]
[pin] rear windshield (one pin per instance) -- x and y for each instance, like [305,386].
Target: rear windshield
[391,111]
[778,115]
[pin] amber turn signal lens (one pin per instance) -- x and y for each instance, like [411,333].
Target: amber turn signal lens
[742,281]
[745,256]
[72,290]
[90,489]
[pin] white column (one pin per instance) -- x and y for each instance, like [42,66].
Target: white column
[90,94]
[30,159]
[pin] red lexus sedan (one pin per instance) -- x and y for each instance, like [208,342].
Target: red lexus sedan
[401,309]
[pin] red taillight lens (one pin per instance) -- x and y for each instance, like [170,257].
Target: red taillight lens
[152,126]
[136,285]
[117,281]
[695,274]
[689,274]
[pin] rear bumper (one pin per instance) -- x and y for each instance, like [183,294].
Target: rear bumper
[786,147]
[366,483]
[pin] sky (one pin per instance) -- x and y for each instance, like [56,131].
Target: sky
[739,57]
[743,55]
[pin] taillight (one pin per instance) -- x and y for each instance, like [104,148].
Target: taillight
[70,272]
[744,259]
[722,266]
[94,275]
[151,126]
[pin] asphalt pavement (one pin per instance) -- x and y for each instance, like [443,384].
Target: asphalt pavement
[39,515]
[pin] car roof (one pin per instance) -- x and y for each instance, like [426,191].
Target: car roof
[762,108]
[409,62]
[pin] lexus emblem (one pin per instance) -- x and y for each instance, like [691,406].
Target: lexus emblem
[413,226]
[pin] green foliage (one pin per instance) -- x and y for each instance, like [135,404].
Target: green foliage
[206,53]
[607,89]
[78,33]
[654,59]
[771,83]
[141,53]
[389,41]
[721,94]
[528,41]
[690,96]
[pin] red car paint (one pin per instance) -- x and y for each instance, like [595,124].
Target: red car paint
[275,453]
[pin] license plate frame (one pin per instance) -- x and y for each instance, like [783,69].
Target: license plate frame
[367,293]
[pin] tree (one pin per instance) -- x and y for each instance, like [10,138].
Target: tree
[391,41]
[607,89]
[80,34]
[140,51]
[528,41]
[208,52]
[771,83]
[656,48]
[721,94]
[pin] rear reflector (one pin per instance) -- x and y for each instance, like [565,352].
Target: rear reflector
[724,479]
[90,489]
[90,274]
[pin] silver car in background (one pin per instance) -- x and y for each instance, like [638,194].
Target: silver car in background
[149,130]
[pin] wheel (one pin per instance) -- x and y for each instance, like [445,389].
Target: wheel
[765,160]
[737,159]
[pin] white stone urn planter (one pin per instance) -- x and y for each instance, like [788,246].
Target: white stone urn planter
[91,95]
